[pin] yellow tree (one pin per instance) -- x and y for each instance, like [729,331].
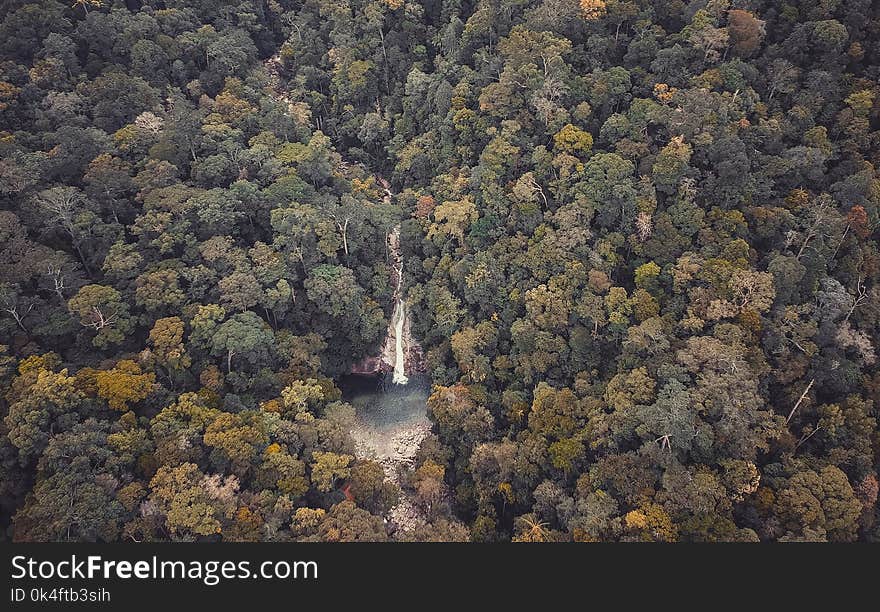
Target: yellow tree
[591,10]
[453,219]
[123,384]
[573,140]
[8,94]
[531,529]
[328,467]
[166,338]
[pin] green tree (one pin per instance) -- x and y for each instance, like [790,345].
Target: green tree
[42,402]
[246,335]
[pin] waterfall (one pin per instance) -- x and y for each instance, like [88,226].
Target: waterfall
[400,353]
[399,318]
[399,377]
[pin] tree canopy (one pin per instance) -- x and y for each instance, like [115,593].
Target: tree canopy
[639,246]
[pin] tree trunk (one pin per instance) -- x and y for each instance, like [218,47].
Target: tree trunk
[344,228]
[82,258]
[800,400]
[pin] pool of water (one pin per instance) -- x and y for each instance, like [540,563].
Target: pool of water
[388,408]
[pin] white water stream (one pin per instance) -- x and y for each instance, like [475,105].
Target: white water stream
[399,318]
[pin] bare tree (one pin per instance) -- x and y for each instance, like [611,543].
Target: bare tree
[800,401]
[97,320]
[63,204]
[821,217]
[56,276]
[13,304]
[857,300]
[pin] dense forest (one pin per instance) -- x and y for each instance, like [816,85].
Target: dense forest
[640,250]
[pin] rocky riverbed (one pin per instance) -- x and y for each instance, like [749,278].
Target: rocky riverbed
[389,427]
[395,449]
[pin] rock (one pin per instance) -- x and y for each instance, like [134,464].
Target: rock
[394,448]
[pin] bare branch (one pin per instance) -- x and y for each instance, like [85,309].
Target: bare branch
[800,400]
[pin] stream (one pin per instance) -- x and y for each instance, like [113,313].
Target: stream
[399,319]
